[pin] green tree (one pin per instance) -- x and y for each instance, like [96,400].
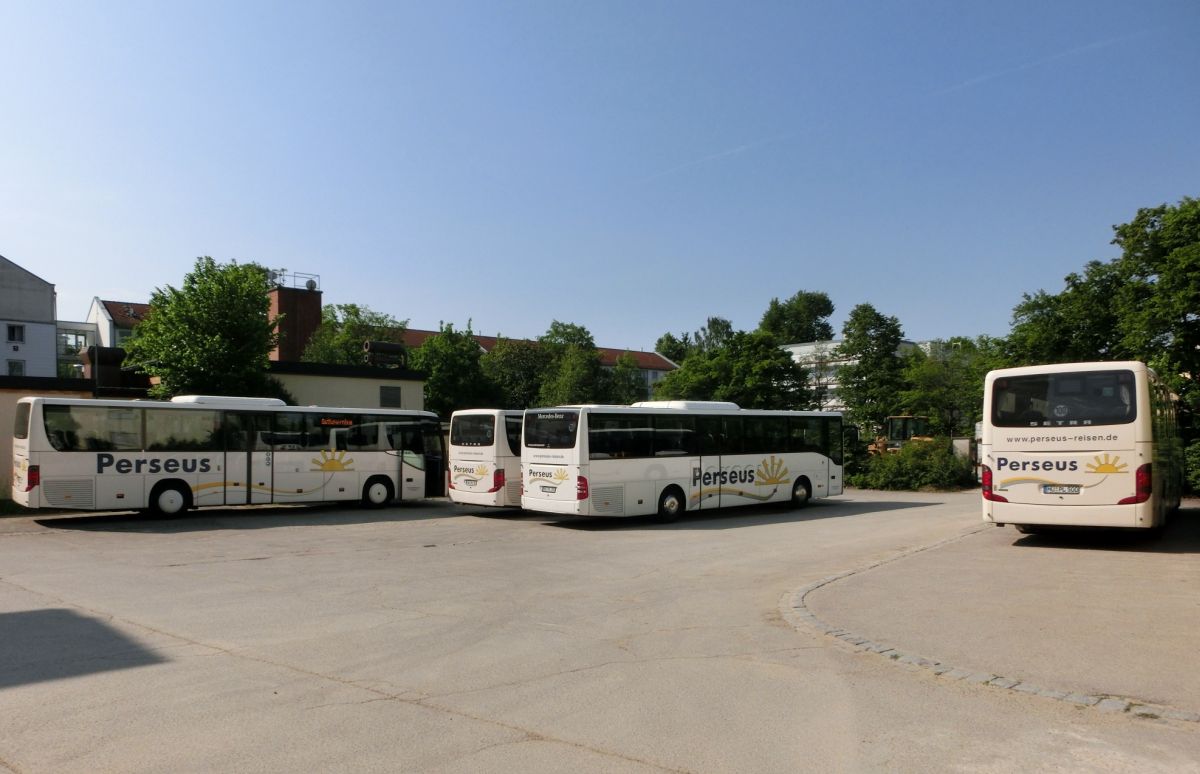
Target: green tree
[1083,322]
[572,374]
[802,318]
[343,330]
[212,336]
[946,382]
[453,375]
[516,369]
[624,383]
[672,348]
[750,370]
[1160,302]
[871,382]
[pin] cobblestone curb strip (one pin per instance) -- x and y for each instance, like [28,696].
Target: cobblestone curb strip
[799,614]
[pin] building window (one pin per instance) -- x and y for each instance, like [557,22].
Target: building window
[16,333]
[16,368]
[70,343]
[391,397]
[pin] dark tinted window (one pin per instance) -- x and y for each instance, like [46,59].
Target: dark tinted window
[512,429]
[473,430]
[620,436]
[551,429]
[21,428]
[1086,398]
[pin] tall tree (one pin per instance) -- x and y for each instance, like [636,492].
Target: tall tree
[716,333]
[750,370]
[454,379]
[870,383]
[573,372]
[945,383]
[802,318]
[343,330]
[212,336]
[516,369]
[674,349]
[624,382]
[1160,303]
[1080,323]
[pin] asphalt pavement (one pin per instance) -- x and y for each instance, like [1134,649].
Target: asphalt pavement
[1084,617]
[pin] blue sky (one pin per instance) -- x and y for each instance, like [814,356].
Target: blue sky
[632,167]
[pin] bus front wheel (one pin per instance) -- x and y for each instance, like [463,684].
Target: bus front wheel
[169,499]
[377,493]
[671,504]
[801,493]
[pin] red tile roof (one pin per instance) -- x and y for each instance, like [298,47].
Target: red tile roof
[126,314]
[647,361]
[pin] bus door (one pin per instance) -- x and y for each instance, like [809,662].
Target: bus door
[435,458]
[249,475]
[705,490]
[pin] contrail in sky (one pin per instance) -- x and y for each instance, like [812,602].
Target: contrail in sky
[740,149]
[1097,45]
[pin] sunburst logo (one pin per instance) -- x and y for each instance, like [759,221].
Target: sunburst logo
[332,462]
[771,472]
[481,471]
[1107,464]
[560,476]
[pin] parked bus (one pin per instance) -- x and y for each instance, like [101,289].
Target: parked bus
[203,450]
[1079,444]
[485,457]
[668,457]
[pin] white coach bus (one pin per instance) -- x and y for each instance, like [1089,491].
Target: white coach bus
[1079,444]
[485,457]
[202,450]
[668,457]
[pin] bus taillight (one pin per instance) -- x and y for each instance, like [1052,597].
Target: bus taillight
[988,493]
[497,481]
[581,488]
[33,477]
[1144,483]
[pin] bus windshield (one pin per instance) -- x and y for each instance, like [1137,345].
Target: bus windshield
[554,429]
[1084,399]
[473,430]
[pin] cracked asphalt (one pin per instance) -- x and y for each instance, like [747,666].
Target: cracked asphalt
[870,632]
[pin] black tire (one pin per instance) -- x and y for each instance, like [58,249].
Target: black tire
[377,492]
[170,498]
[801,493]
[671,504]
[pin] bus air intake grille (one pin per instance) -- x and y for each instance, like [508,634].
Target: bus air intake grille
[512,490]
[608,500]
[70,494]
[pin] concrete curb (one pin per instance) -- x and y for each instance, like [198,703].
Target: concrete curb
[797,613]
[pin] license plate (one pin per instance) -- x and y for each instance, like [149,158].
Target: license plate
[549,489]
[1060,489]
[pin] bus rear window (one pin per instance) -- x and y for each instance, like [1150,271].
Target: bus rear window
[21,428]
[551,429]
[473,430]
[1084,399]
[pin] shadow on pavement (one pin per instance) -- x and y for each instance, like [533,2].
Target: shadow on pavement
[738,517]
[1181,535]
[51,644]
[251,517]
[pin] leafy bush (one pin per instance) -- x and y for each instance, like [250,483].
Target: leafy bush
[1191,467]
[918,465]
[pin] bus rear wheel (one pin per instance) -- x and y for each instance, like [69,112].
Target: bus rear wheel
[671,504]
[169,498]
[377,493]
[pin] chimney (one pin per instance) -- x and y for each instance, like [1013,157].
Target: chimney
[301,311]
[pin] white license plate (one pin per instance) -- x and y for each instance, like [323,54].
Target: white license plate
[549,489]
[1060,489]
